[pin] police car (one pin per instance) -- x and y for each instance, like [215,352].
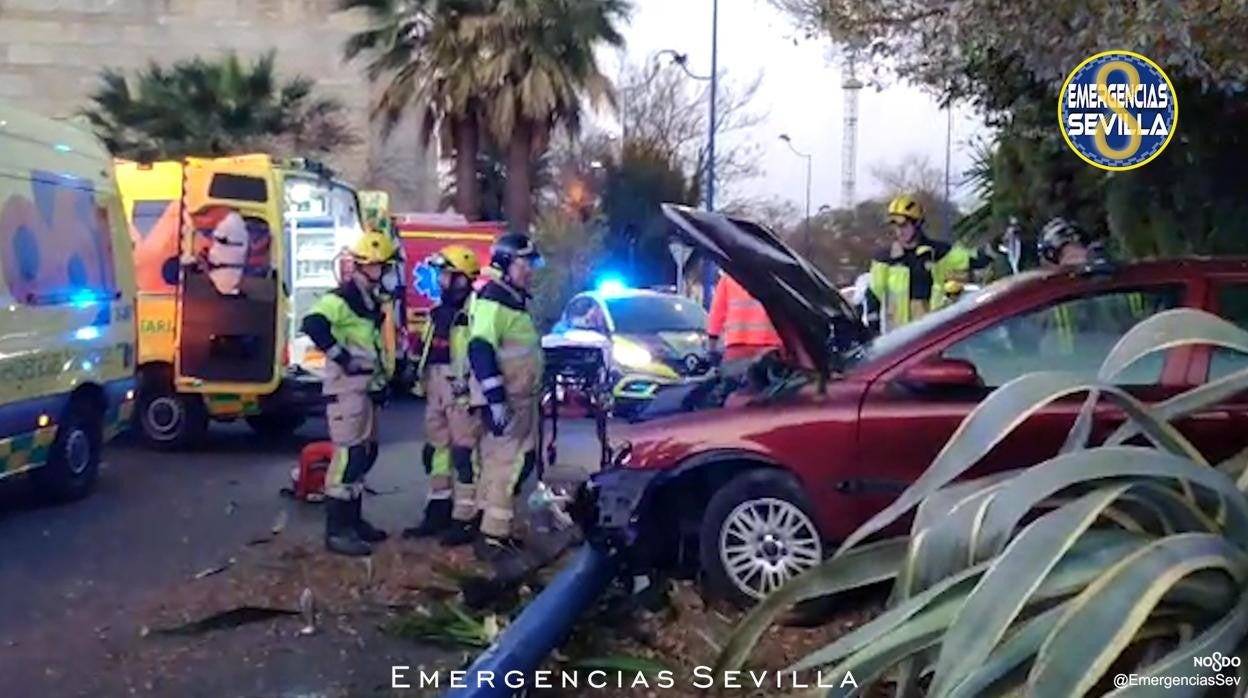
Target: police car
[655,339]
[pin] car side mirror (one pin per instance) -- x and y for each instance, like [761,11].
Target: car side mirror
[944,372]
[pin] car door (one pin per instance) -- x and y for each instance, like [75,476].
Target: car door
[1218,431]
[903,426]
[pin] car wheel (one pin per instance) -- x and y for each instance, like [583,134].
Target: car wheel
[275,426]
[168,420]
[74,459]
[757,533]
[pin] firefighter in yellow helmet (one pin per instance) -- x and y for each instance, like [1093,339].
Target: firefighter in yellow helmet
[346,324]
[914,273]
[451,432]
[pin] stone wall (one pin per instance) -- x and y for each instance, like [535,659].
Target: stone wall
[51,52]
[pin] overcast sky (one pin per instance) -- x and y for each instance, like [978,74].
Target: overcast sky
[800,92]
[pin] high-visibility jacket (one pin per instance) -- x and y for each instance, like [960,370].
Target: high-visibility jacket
[1066,325]
[445,339]
[910,286]
[345,323]
[739,321]
[504,347]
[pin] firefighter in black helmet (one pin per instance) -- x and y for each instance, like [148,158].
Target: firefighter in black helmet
[505,354]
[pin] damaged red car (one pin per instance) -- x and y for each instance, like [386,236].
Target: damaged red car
[746,495]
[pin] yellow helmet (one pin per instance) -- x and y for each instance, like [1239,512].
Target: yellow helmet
[907,207]
[373,247]
[457,258]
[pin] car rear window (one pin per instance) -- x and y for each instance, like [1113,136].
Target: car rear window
[1232,305]
[238,188]
[651,314]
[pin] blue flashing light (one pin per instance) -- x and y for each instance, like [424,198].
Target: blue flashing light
[62,148]
[86,334]
[611,286]
[83,299]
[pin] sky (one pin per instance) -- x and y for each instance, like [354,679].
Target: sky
[800,94]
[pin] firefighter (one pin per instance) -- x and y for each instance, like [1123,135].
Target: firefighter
[739,328]
[505,354]
[345,324]
[909,278]
[451,432]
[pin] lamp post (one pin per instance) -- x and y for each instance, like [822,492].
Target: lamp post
[789,141]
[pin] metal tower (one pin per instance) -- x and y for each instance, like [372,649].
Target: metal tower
[849,144]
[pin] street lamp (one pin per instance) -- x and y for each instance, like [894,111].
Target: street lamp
[789,141]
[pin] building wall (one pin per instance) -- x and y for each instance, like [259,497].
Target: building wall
[51,52]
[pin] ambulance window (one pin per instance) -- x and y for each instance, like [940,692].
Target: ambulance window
[238,188]
[146,215]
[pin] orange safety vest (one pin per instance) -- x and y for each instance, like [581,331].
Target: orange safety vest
[739,321]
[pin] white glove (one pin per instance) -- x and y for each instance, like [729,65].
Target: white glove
[500,417]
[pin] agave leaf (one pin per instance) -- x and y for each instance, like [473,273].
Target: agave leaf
[872,661]
[945,547]
[1176,512]
[867,565]
[1002,592]
[1037,483]
[1102,620]
[1018,648]
[998,415]
[1170,329]
[1199,398]
[1087,560]
[624,663]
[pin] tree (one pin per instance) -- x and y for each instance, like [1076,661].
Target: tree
[915,175]
[572,249]
[636,185]
[424,54]
[213,108]
[663,109]
[490,185]
[541,66]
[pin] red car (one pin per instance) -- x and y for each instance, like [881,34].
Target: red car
[748,495]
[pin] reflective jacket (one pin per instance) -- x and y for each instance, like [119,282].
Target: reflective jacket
[504,347]
[908,287]
[739,321]
[445,340]
[346,323]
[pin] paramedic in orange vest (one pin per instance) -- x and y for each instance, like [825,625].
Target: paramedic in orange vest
[739,327]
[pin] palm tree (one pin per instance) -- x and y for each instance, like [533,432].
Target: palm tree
[421,51]
[539,60]
[213,108]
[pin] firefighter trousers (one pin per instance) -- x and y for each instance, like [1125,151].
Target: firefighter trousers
[452,433]
[352,419]
[507,460]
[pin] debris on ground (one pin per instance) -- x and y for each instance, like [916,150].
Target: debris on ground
[228,619]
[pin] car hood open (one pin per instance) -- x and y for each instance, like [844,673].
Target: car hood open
[816,323]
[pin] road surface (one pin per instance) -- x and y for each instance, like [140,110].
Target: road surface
[86,583]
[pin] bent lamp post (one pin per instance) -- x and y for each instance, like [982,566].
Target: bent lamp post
[543,625]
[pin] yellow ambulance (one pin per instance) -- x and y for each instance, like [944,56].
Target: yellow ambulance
[229,254]
[67,337]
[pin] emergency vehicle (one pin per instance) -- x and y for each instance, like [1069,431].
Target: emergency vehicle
[229,254]
[67,339]
[421,235]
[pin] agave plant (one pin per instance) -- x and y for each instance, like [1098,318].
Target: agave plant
[1050,580]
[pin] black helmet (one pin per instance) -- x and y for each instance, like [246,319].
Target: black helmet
[1057,234]
[511,246]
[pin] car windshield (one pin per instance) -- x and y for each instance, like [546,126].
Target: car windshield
[890,341]
[650,314]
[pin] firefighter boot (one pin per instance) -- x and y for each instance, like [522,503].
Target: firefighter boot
[340,534]
[437,519]
[364,529]
[461,533]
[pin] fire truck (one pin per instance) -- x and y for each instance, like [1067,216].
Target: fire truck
[422,234]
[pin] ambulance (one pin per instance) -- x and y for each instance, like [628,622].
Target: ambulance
[229,254]
[67,338]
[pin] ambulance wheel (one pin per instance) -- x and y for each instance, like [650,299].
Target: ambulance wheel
[74,459]
[168,420]
[275,426]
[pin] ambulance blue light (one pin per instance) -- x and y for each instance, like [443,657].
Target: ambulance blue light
[86,334]
[82,299]
[611,286]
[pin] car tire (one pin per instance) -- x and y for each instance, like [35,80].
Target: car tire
[168,420]
[275,426]
[757,532]
[73,464]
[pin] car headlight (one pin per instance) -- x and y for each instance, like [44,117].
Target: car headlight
[631,355]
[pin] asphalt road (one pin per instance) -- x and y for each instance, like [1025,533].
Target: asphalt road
[77,578]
